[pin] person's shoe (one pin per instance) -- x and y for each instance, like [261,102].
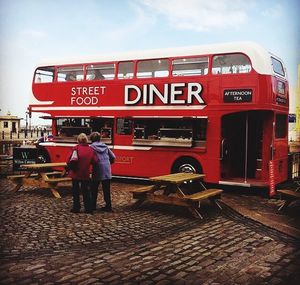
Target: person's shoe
[75,211]
[106,209]
[89,212]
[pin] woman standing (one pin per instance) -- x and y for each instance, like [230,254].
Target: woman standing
[102,172]
[81,174]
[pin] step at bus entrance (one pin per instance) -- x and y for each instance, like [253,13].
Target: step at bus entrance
[242,148]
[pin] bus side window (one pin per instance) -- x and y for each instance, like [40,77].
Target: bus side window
[125,70]
[153,68]
[70,73]
[231,64]
[104,71]
[190,66]
[44,74]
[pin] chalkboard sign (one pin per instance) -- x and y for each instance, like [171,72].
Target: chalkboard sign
[124,126]
[23,155]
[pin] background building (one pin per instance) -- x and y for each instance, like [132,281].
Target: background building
[10,123]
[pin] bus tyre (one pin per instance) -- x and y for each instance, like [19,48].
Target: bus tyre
[188,165]
[42,157]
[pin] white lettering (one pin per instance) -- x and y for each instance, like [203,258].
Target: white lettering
[81,95]
[129,101]
[145,91]
[73,91]
[96,90]
[102,89]
[153,90]
[89,100]
[194,89]
[175,93]
[170,95]
[73,100]
[88,91]
[79,100]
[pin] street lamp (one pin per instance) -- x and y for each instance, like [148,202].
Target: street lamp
[26,126]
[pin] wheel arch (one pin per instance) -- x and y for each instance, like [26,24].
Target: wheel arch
[186,162]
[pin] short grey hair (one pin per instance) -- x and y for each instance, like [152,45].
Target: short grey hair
[82,138]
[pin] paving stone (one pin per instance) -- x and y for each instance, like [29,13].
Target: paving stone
[43,243]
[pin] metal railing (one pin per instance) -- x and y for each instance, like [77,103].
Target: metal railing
[294,165]
[23,134]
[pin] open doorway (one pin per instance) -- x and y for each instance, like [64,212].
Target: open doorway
[241,146]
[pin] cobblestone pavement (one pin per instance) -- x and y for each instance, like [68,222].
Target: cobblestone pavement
[43,243]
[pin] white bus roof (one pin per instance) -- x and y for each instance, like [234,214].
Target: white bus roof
[259,56]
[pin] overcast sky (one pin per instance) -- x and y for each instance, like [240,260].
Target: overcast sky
[34,30]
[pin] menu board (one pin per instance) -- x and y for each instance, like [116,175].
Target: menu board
[124,126]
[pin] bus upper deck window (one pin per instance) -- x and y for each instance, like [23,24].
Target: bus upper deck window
[231,63]
[44,74]
[190,66]
[277,66]
[70,73]
[153,68]
[104,71]
[125,70]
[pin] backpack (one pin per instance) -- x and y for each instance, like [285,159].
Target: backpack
[73,162]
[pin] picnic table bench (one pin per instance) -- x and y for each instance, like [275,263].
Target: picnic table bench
[38,175]
[167,189]
[289,196]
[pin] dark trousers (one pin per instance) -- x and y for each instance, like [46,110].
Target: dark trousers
[83,186]
[106,193]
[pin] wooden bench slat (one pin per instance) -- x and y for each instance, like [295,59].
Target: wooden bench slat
[54,173]
[289,196]
[55,179]
[204,194]
[59,179]
[13,177]
[289,193]
[142,189]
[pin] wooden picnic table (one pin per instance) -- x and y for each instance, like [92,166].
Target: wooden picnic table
[171,189]
[38,175]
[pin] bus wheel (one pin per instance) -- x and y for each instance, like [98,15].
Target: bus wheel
[188,165]
[42,157]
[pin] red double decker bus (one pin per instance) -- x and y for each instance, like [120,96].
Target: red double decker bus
[221,110]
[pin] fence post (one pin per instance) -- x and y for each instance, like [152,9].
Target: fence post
[290,166]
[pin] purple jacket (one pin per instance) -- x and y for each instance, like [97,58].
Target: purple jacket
[102,171]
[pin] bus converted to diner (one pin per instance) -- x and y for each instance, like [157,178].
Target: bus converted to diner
[221,110]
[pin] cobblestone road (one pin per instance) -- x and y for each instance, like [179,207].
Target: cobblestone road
[43,243]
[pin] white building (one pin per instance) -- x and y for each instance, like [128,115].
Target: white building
[10,123]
